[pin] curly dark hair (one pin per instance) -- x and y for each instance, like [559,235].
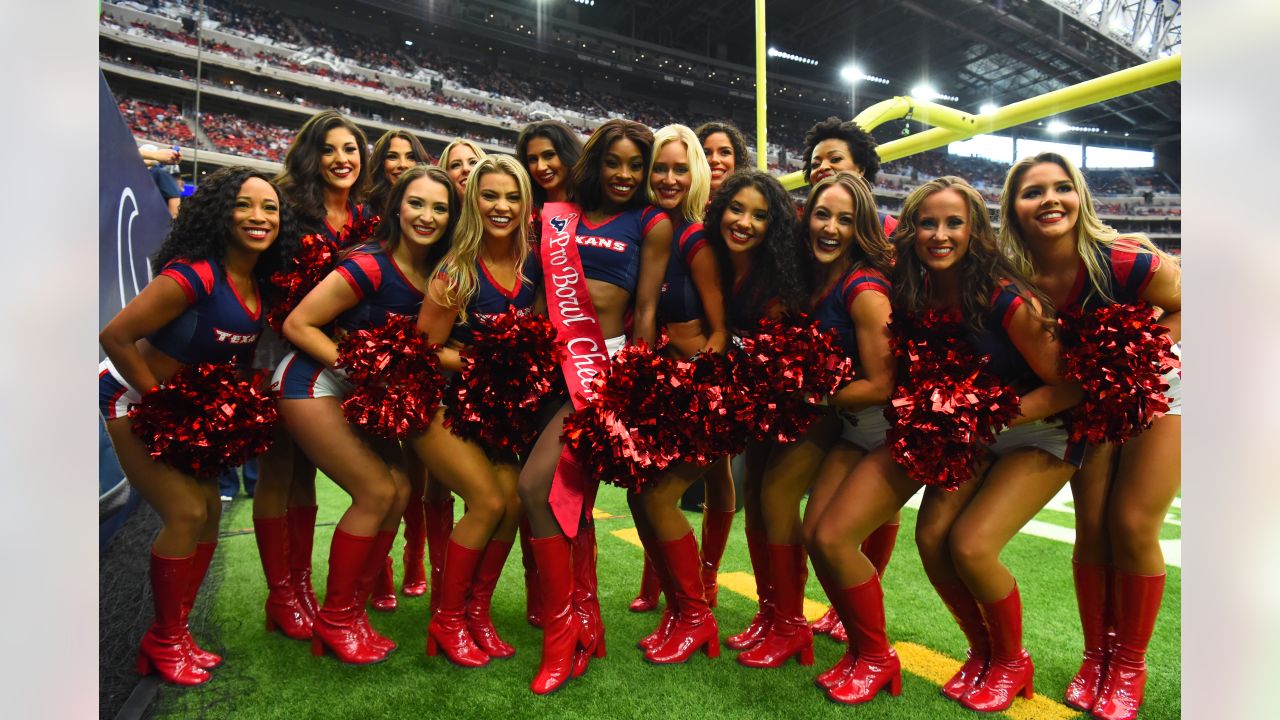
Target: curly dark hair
[862,147]
[300,178]
[587,190]
[741,159]
[380,185]
[870,248]
[778,265]
[203,226]
[388,233]
[562,137]
[983,269]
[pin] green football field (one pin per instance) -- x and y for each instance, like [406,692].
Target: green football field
[269,676]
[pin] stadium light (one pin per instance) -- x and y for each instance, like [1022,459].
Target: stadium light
[854,74]
[987,108]
[409,43]
[925,91]
[775,52]
[1056,127]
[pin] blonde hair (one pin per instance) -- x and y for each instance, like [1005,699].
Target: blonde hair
[459,266]
[695,201]
[443,162]
[1091,233]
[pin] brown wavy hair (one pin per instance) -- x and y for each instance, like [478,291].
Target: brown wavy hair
[300,179]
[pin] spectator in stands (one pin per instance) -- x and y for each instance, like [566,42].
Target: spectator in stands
[725,148]
[395,152]
[158,162]
[457,160]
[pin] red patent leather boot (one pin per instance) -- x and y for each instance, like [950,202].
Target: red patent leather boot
[337,625]
[716,525]
[823,625]
[878,547]
[302,533]
[199,568]
[695,626]
[964,609]
[670,609]
[649,588]
[448,628]
[480,599]
[532,596]
[1137,605]
[789,634]
[383,598]
[586,599]
[1011,672]
[439,528]
[414,583]
[164,649]
[758,548]
[837,673]
[560,626]
[1091,599]
[861,609]
[370,576]
[284,611]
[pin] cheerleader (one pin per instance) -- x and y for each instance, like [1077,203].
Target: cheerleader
[204,306]
[692,309]
[489,271]
[622,245]
[550,149]
[393,153]
[1051,229]
[459,159]
[323,178]
[373,284]
[725,149]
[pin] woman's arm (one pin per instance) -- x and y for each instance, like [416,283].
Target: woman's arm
[326,301]
[159,303]
[436,320]
[1041,350]
[870,313]
[706,279]
[654,254]
[1165,292]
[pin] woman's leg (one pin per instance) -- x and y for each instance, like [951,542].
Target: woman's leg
[1091,572]
[480,596]
[756,458]
[538,472]
[718,509]
[414,582]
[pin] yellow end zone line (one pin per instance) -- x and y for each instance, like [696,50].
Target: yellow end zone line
[916,659]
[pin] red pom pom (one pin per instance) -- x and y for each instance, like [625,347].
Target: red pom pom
[397,379]
[625,435]
[787,367]
[509,369]
[946,408]
[360,230]
[205,419]
[316,258]
[1117,353]
[713,423]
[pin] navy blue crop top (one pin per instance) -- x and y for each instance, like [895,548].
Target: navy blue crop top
[216,327]
[833,311]
[492,299]
[382,288]
[1006,362]
[358,229]
[1130,269]
[680,301]
[610,251]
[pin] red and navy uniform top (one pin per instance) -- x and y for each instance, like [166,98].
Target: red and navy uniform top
[381,287]
[834,311]
[491,299]
[610,251]
[216,327]
[680,301]
[358,229]
[1129,270]
[1006,362]
[743,309]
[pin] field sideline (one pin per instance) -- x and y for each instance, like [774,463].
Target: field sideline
[269,676]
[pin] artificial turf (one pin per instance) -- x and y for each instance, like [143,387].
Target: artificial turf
[268,676]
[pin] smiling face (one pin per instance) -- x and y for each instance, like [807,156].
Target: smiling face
[400,157]
[621,171]
[500,205]
[671,177]
[461,159]
[830,157]
[424,212]
[831,224]
[745,220]
[544,164]
[942,230]
[1047,203]
[255,216]
[340,159]
[719,152]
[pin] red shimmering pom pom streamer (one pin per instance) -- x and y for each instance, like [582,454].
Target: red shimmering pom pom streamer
[316,258]
[626,436]
[397,380]
[205,419]
[713,422]
[511,367]
[787,366]
[946,408]
[1117,353]
[360,230]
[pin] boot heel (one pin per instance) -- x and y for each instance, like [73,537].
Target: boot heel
[1028,690]
[713,647]
[895,685]
[271,626]
[432,648]
[317,646]
[806,656]
[144,665]
[600,646]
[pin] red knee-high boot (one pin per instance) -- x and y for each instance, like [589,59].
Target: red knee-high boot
[1137,605]
[1011,672]
[337,625]
[758,549]
[837,673]
[448,628]
[695,626]
[439,528]
[649,588]
[383,596]
[789,635]
[532,596]
[667,585]
[560,625]
[370,577]
[586,599]
[878,547]
[199,568]
[956,596]
[861,610]
[1091,599]
[164,649]
[415,547]
[302,533]
[284,611]
[483,584]
[716,525]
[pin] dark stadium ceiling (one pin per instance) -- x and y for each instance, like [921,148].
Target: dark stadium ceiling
[979,51]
